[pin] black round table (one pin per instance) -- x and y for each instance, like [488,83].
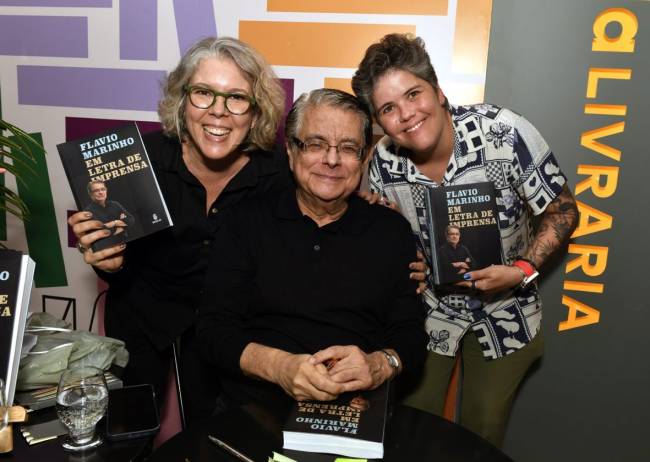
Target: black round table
[411,435]
[52,451]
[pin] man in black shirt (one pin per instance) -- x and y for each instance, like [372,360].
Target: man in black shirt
[115,217]
[313,274]
[455,258]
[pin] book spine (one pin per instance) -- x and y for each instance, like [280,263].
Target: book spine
[145,155]
[433,236]
[66,158]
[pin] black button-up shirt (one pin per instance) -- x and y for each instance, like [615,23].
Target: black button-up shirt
[278,279]
[162,280]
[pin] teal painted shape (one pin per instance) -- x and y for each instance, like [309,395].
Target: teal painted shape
[41,230]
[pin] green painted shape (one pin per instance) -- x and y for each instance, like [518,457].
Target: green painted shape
[3,215]
[40,229]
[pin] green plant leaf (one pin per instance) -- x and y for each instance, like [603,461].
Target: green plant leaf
[21,149]
[16,154]
[23,138]
[16,173]
[13,198]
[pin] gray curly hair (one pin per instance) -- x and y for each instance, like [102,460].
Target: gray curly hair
[267,90]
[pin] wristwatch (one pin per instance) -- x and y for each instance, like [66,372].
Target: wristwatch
[392,360]
[528,270]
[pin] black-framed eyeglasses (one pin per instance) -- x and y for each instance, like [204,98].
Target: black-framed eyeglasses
[203,98]
[318,147]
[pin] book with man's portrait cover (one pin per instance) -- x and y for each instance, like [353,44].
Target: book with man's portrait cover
[111,177]
[464,225]
[353,425]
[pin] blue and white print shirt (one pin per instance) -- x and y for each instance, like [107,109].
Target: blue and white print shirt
[491,144]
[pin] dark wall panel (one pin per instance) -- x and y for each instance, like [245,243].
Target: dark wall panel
[590,397]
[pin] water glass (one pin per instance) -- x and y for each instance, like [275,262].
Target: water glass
[81,401]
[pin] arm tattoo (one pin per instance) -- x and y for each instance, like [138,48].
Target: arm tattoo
[558,222]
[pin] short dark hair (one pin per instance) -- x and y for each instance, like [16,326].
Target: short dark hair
[328,97]
[393,51]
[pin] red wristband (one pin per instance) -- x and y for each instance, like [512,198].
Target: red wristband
[525,266]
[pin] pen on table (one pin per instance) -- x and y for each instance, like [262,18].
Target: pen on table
[230,449]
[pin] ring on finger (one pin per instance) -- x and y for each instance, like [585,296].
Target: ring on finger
[81,248]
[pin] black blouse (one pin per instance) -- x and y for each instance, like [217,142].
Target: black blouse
[163,276]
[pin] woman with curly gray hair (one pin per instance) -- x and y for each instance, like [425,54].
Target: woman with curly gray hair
[220,112]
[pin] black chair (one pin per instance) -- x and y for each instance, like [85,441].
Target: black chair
[95,304]
[71,304]
[174,358]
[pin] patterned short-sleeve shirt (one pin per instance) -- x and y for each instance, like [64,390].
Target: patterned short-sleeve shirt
[491,144]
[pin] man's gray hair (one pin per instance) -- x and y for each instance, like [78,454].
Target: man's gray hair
[327,97]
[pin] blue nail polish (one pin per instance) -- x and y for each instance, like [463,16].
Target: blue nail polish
[467,276]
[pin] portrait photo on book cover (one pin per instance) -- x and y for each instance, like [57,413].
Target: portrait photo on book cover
[455,258]
[464,249]
[112,213]
[359,402]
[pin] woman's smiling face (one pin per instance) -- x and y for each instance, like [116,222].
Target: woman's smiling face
[410,111]
[214,133]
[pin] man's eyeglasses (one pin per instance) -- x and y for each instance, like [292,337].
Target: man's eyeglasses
[203,98]
[347,150]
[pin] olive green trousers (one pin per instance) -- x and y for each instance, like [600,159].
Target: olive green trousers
[488,388]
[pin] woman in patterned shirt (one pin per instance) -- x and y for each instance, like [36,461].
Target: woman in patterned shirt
[493,321]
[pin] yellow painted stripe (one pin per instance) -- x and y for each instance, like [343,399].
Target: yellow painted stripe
[339,84]
[314,44]
[422,7]
[471,36]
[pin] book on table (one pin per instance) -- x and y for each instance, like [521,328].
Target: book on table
[111,176]
[352,425]
[16,276]
[464,224]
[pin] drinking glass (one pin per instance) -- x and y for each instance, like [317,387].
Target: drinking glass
[81,401]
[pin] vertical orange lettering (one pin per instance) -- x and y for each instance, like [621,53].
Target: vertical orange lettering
[606,109]
[583,260]
[594,287]
[624,42]
[597,73]
[589,315]
[597,174]
[601,222]
[588,140]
